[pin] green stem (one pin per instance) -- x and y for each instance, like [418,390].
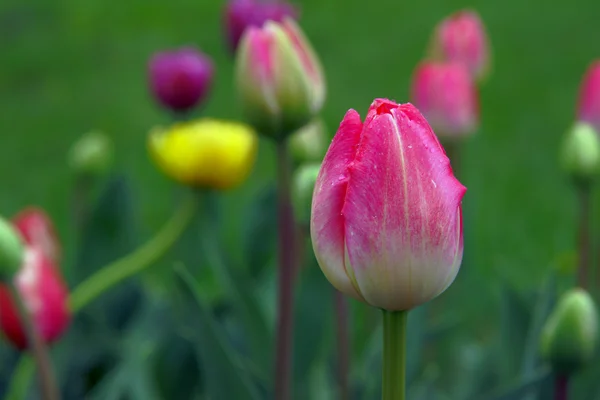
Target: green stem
[394,355]
[36,346]
[133,263]
[584,240]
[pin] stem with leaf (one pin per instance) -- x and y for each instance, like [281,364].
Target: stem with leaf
[584,240]
[394,355]
[287,271]
[561,387]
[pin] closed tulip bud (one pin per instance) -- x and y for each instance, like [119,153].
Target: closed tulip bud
[11,249]
[180,79]
[205,153]
[308,144]
[37,230]
[45,296]
[242,14]
[570,334]
[581,153]
[91,155]
[302,190]
[462,38]
[447,97]
[589,97]
[386,221]
[279,78]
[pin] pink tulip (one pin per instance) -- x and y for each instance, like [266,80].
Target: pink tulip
[243,14]
[180,79]
[589,97]
[45,296]
[447,97]
[38,231]
[386,221]
[462,38]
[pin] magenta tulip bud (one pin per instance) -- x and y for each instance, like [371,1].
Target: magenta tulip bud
[242,14]
[386,221]
[589,97]
[462,38]
[446,95]
[180,79]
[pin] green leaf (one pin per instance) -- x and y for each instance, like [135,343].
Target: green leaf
[223,376]
[517,391]
[261,231]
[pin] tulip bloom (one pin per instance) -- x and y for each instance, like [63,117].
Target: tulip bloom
[242,14]
[462,38]
[46,298]
[180,79]
[207,152]
[37,230]
[447,97]
[589,97]
[279,78]
[386,220]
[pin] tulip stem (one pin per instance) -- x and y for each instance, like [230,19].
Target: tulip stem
[48,388]
[133,263]
[287,271]
[584,194]
[394,355]
[343,342]
[561,387]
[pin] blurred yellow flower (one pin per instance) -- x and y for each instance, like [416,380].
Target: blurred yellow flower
[206,152]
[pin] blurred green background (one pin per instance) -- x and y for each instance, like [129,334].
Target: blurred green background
[69,66]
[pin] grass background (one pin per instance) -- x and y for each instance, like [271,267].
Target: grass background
[68,66]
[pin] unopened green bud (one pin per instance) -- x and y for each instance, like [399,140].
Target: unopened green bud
[92,154]
[302,190]
[11,249]
[308,144]
[570,334]
[581,152]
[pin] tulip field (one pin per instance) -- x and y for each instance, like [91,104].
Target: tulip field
[277,199]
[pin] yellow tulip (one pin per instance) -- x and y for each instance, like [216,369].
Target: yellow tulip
[205,153]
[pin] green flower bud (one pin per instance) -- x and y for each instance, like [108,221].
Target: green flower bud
[308,144]
[302,190]
[92,154]
[11,249]
[581,152]
[570,334]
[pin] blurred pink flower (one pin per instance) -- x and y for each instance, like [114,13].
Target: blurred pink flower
[447,97]
[589,96]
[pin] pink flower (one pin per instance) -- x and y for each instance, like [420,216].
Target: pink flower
[279,78]
[589,96]
[45,296]
[446,95]
[462,38]
[180,79]
[243,14]
[37,230]
[386,220]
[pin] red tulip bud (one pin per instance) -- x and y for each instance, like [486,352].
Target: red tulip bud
[589,97]
[45,296]
[37,231]
[447,97]
[462,38]
[386,221]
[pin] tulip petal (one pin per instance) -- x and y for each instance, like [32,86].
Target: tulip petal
[327,221]
[404,204]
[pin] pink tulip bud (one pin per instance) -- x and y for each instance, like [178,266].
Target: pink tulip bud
[447,97]
[462,38]
[279,78]
[242,14]
[589,96]
[38,231]
[181,78]
[45,296]
[386,221]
